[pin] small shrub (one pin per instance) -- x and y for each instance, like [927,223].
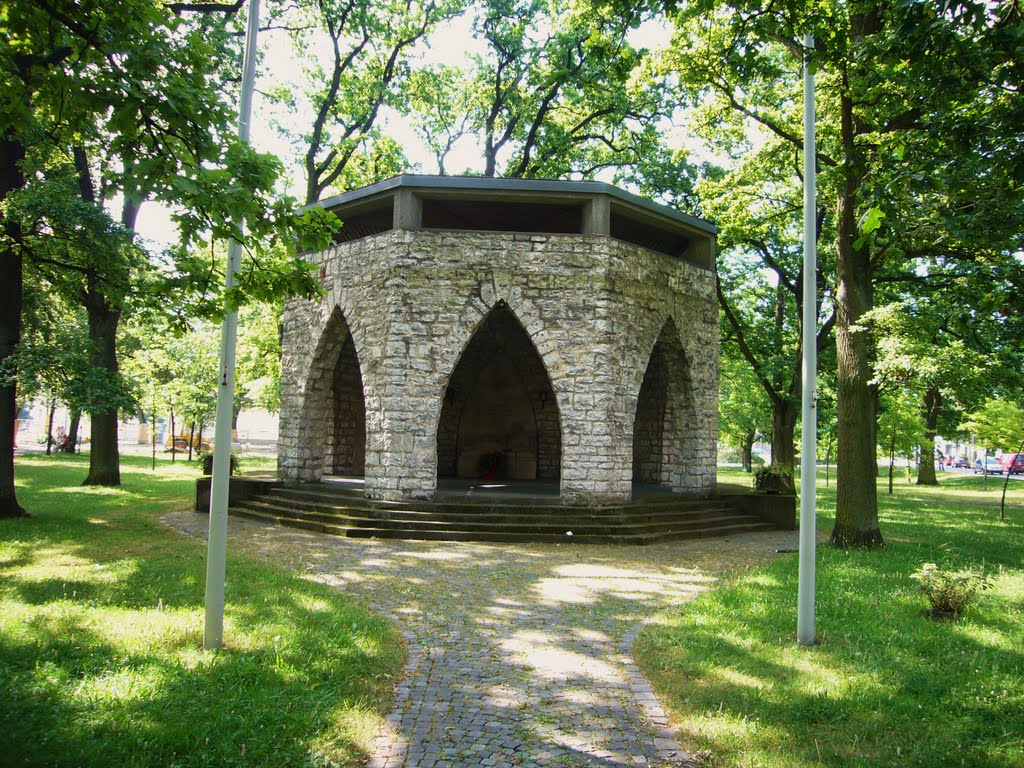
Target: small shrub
[949,592]
[773,479]
[206,463]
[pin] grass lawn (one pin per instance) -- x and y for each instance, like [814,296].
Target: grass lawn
[101,620]
[883,686]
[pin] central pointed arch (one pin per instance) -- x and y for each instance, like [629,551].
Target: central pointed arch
[499,418]
[664,425]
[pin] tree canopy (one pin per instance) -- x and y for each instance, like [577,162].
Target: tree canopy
[920,225]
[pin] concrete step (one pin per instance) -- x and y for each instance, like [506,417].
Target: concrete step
[413,520]
[317,498]
[619,536]
[496,514]
[344,511]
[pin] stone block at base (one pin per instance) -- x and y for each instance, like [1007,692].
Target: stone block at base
[777,509]
[239,489]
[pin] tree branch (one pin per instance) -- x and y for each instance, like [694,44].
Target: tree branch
[745,349]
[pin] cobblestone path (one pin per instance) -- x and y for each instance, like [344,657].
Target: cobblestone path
[518,655]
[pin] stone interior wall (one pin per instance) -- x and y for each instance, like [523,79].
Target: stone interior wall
[649,424]
[347,454]
[592,307]
[499,399]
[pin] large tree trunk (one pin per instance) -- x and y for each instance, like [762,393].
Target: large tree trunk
[104,459]
[856,522]
[76,420]
[747,451]
[784,413]
[104,316]
[931,406]
[11,155]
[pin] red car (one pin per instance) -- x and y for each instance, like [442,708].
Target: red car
[1013,463]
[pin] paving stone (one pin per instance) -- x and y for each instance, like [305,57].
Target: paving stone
[549,683]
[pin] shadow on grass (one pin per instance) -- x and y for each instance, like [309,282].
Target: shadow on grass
[100,647]
[74,699]
[883,686]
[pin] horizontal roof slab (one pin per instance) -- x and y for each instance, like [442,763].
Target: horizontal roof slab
[413,202]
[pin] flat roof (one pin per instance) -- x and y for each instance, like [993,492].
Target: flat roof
[503,187]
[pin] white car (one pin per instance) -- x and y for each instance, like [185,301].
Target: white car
[987,467]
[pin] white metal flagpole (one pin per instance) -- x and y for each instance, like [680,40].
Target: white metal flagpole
[213,633]
[809,411]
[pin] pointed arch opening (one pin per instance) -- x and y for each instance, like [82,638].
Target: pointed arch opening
[346,449]
[499,418]
[335,407]
[664,422]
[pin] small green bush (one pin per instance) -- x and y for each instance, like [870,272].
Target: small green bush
[949,592]
[206,463]
[773,479]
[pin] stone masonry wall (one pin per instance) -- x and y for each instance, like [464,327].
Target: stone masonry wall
[412,300]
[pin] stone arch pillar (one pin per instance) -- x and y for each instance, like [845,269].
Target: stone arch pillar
[665,425]
[499,416]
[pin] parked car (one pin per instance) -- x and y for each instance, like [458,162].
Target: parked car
[987,467]
[961,462]
[1012,463]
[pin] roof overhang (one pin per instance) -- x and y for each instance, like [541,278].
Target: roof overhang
[415,202]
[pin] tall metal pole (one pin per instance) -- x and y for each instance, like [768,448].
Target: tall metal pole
[809,373]
[213,633]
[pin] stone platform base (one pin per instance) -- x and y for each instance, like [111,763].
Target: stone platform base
[464,510]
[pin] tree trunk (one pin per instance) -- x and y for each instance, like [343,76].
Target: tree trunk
[104,459]
[11,178]
[152,439]
[892,457]
[191,437]
[174,434]
[856,466]
[76,420]
[828,460]
[931,406]
[747,451]
[49,425]
[1006,483]
[784,413]
[104,316]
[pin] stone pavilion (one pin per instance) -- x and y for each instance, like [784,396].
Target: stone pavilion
[505,330]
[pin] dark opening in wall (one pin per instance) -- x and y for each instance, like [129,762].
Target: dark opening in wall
[499,417]
[364,221]
[647,235]
[503,216]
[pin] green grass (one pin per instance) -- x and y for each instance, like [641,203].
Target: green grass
[883,686]
[101,660]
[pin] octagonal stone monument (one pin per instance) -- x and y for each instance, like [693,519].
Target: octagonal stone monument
[505,330]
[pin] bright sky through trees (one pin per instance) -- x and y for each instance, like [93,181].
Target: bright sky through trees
[451,44]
